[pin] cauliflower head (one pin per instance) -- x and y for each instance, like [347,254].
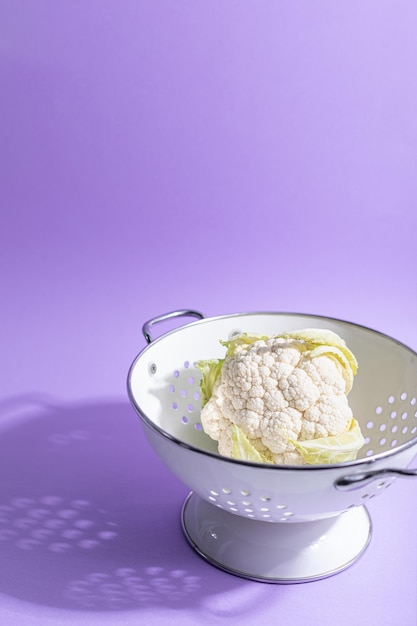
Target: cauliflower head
[282,399]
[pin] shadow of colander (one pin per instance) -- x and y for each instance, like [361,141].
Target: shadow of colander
[76,530]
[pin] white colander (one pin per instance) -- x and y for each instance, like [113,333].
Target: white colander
[242,516]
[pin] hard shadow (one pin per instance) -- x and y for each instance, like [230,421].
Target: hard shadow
[89,516]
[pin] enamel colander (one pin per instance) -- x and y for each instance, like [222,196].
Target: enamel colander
[275,523]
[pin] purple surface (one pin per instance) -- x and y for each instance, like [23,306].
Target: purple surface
[159,155]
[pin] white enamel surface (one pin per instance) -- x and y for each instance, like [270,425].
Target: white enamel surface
[164,388]
[283,553]
[267,493]
[383,398]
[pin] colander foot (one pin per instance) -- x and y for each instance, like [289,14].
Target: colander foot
[275,552]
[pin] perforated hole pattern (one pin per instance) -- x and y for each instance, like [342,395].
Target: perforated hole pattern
[186,398]
[268,508]
[394,421]
[250,505]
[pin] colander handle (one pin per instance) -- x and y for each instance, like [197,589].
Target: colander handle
[359,480]
[146,328]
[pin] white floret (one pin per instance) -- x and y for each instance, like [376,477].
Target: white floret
[328,416]
[291,457]
[212,419]
[299,390]
[276,431]
[274,400]
[326,373]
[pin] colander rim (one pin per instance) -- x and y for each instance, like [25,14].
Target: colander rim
[271,467]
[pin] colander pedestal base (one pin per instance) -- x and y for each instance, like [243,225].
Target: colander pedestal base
[286,552]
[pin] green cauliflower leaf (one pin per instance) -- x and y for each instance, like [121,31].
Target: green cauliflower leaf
[334,449]
[243,449]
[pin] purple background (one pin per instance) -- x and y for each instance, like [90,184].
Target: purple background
[155,155]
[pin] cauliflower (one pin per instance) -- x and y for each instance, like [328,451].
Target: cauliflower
[282,399]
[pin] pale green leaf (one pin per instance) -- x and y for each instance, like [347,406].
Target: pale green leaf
[323,342]
[323,337]
[243,449]
[334,449]
[210,371]
[241,340]
[336,354]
